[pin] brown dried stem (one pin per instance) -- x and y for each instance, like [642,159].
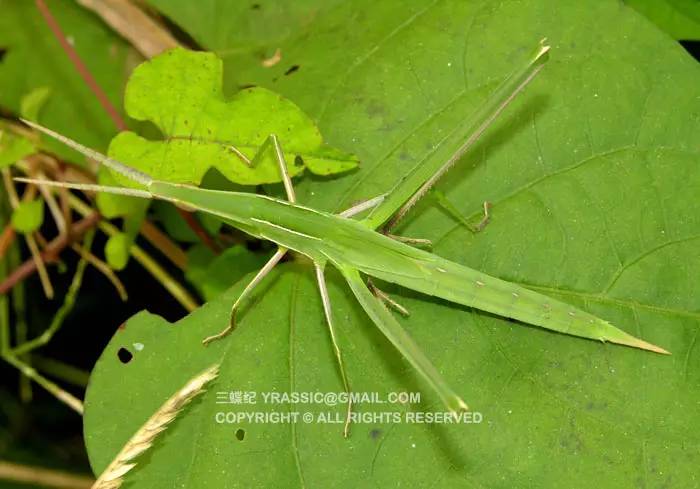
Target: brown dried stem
[80,66]
[39,476]
[148,36]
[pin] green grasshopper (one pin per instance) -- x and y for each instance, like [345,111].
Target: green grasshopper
[366,245]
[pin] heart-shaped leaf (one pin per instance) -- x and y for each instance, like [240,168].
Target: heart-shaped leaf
[593,177]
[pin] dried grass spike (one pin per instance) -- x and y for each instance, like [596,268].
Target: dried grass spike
[143,439]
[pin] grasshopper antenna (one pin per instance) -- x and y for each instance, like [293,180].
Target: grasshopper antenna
[121,168]
[88,187]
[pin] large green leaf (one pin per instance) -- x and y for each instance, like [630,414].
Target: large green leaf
[680,18]
[593,176]
[213,274]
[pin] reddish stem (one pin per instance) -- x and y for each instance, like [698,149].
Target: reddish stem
[108,107]
[51,252]
[194,224]
[80,66]
[6,239]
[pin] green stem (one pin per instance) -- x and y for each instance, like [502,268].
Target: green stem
[21,328]
[66,307]
[5,267]
[63,371]
[65,397]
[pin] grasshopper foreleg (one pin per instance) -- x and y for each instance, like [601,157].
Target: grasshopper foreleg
[271,142]
[246,292]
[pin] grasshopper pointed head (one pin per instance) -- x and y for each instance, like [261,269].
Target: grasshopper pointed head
[457,405]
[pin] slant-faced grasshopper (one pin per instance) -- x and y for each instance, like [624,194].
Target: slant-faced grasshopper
[365,246]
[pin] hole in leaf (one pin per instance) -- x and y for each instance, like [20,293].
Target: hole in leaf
[291,69]
[124,355]
[255,6]
[240,434]
[3,51]
[375,433]
[298,161]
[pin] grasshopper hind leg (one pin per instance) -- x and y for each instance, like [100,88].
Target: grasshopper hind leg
[417,242]
[386,299]
[320,278]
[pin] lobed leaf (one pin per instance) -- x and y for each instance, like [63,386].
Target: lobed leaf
[180,92]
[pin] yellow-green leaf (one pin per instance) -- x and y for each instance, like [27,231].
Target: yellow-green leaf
[32,103]
[13,148]
[180,92]
[28,216]
[117,251]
